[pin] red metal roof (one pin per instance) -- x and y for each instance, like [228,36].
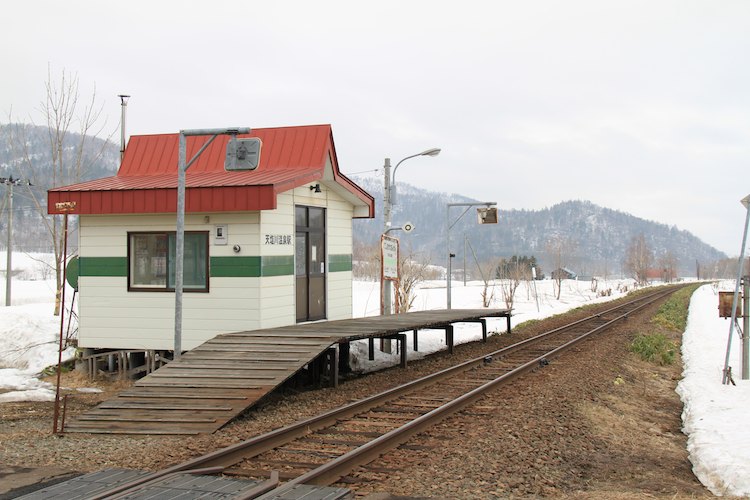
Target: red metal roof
[147,179]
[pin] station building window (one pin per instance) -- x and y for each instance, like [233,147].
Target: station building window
[151,261]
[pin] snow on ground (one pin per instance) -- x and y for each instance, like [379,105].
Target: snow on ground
[714,415]
[29,330]
[29,344]
[432,295]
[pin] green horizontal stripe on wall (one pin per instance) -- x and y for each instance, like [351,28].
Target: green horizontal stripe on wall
[252,267]
[221,267]
[103,266]
[235,267]
[277,265]
[339,263]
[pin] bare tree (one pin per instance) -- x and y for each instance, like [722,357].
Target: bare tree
[412,271]
[366,261]
[638,259]
[71,126]
[668,266]
[486,270]
[559,249]
[509,274]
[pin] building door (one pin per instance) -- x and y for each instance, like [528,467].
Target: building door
[310,262]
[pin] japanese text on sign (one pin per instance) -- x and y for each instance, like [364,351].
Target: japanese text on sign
[278,239]
[390,257]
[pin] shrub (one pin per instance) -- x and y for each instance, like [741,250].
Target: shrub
[654,348]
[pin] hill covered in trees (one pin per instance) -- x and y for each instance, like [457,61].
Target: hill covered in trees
[579,235]
[582,236]
[27,153]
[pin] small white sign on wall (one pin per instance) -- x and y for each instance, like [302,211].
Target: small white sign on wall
[221,234]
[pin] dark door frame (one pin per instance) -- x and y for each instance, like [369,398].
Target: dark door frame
[311,276]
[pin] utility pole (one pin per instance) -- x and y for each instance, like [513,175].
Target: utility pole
[182,166]
[385,285]
[491,205]
[727,372]
[746,328]
[389,199]
[10,182]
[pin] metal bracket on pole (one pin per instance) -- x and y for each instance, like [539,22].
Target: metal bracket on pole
[448,227]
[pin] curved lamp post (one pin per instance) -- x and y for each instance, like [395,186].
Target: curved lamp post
[389,199]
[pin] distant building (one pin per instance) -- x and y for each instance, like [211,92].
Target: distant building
[563,273]
[263,248]
[667,275]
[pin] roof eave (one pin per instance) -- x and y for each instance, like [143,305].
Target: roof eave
[163,200]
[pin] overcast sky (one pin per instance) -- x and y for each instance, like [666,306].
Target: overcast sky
[639,106]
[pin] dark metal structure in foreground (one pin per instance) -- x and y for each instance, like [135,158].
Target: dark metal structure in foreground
[213,383]
[182,486]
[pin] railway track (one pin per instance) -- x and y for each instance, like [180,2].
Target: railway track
[322,449]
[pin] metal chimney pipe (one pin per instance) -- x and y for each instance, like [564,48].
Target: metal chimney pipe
[124,106]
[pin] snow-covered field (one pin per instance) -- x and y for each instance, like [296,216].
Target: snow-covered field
[714,415]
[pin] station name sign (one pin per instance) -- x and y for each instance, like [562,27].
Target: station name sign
[389,249]
[278,239]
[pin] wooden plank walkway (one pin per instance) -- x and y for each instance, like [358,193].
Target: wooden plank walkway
[213,383]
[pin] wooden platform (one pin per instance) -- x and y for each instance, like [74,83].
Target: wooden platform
[213,383]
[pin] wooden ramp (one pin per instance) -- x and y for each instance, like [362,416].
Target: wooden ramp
[213,383]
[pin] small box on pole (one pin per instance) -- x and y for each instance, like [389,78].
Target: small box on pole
[725,305]
[487,215]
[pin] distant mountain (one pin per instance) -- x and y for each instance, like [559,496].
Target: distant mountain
[25,153]
[100,158]
[598,236]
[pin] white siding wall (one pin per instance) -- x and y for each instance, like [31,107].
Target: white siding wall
[112,317]
[339,227]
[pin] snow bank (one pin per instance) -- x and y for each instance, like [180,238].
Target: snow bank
[714,415]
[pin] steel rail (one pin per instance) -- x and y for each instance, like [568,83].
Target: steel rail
[230,455]
[335,469]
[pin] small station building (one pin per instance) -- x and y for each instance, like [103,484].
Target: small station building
[263,248]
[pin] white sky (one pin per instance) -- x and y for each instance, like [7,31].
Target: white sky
[640,106]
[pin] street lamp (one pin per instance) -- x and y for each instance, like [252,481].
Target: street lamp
[392,194]
[484,220]
[389,190]
[389,199]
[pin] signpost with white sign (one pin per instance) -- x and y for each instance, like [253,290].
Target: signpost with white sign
[388,270]
[388,274]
